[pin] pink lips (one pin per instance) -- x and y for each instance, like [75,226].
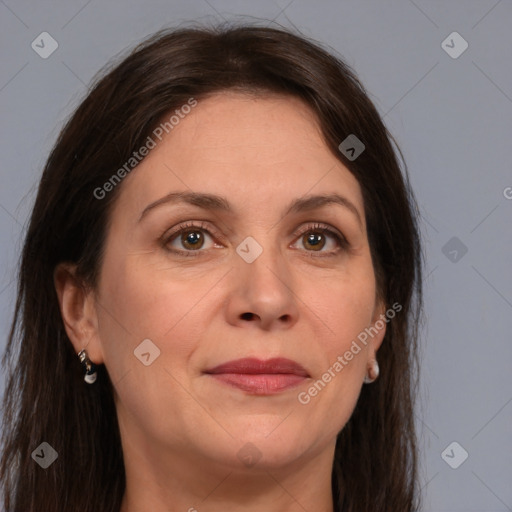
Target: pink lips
[260,377]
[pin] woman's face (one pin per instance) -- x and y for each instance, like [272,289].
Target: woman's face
[251,277]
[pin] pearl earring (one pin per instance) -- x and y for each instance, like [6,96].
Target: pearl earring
[373,372]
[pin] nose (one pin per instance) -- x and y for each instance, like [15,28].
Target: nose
[262,293]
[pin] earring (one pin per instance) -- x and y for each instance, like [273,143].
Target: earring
[373,372]
[90,367]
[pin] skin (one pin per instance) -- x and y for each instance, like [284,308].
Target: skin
[181,429]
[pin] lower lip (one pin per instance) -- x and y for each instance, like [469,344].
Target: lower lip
[260,384]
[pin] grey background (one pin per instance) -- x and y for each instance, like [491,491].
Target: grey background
[452,119]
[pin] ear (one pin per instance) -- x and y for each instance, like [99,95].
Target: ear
[379,324]
[78,311]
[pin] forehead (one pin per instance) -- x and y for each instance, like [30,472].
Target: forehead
[252,149]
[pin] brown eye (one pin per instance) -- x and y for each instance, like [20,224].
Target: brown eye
[188,240]
[192,240]
[314,240]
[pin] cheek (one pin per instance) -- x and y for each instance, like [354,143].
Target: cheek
[346,309]
[140,304]
[143,297]
[144,300]
[345,305]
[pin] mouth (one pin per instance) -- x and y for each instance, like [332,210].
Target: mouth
[259,377]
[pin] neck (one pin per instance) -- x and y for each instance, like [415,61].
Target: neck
[180,482]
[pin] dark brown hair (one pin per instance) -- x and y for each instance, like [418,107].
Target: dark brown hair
[46,399]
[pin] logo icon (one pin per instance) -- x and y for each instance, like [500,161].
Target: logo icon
[454,45]
[454,455]
[44,455]
[44,45]
[351,147]
[146,352]
[454,249]
[249,455]
[249,249]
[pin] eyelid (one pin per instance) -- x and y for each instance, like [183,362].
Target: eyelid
[318,226]
[341,240]
[205,226]
[190,225]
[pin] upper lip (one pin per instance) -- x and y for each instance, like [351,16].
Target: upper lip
[277,365]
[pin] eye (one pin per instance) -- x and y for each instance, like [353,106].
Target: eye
[187,239]
[316,237]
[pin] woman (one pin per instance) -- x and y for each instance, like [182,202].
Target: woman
[224,243]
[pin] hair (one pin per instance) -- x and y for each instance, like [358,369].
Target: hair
[46,399]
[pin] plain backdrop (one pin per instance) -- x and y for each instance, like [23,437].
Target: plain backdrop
[451,114]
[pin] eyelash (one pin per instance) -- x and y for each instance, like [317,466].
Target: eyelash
[202,226]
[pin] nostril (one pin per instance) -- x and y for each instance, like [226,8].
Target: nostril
[247,316]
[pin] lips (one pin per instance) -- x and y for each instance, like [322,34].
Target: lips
[260,377]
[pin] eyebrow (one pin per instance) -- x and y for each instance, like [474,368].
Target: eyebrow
[219,203]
